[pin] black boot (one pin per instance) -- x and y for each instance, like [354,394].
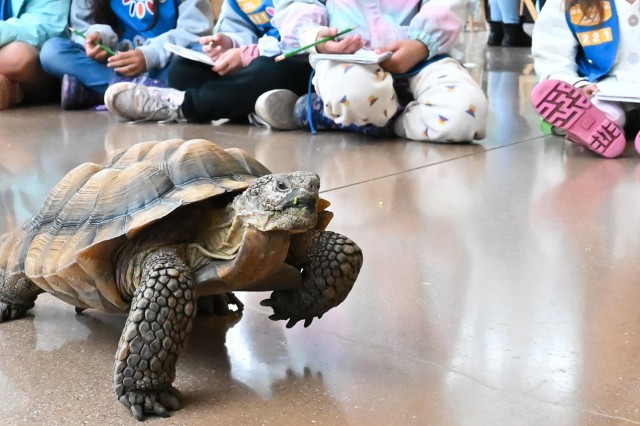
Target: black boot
[496,33]
[515,36]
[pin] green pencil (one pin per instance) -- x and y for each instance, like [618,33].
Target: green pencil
[317,42]
[100,45]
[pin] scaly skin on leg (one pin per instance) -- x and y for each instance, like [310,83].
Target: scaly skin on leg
[17,296]
[330,264]
[161,315]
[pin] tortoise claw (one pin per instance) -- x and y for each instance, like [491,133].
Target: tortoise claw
[143,403]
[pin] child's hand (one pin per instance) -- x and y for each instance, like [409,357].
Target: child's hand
[129,63]
[589,90]
[216,45]
[230,61]
[406,54]
[349,44]
[93,51]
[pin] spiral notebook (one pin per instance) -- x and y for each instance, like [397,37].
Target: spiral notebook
[359,57]
[194,55]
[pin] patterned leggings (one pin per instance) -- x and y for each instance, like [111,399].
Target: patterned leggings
[447,106]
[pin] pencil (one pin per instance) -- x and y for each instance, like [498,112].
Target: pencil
[100,45]
[317,42]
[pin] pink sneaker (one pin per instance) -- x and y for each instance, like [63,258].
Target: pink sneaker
[564,106]
[638,142]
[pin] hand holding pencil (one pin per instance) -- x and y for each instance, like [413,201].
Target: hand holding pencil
[327,43]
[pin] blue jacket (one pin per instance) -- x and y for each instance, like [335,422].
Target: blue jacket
[34,21]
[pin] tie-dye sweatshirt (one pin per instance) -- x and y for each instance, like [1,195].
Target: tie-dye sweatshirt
[436,23]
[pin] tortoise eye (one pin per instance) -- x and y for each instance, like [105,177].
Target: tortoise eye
[282,186]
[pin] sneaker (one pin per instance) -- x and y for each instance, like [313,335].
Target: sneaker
[637,142]
[75,95]
[275,109]
[11,93]
[137,102]
[565,107]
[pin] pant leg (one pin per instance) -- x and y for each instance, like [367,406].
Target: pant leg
[449,105]
[355,94]
[508,11]
[234,96]
[61,56]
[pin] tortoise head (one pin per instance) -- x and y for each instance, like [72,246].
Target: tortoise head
[280,202]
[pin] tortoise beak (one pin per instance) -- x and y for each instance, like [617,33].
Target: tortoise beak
[300,200]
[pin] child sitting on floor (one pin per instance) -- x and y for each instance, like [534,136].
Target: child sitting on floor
[136,30]
[24,26]
[444,103]
[243,49]
[577,45]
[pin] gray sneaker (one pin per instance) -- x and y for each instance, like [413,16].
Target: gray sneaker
[275,109]
[137,102]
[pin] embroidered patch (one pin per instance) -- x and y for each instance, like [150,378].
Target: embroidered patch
[139,8]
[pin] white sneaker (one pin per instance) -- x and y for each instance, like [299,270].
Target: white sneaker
[137,102]
[275,108]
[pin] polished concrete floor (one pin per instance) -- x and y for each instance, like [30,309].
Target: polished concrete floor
[501,281]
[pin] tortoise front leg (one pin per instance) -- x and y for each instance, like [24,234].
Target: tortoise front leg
[162,311]
[17,295]
[330,264]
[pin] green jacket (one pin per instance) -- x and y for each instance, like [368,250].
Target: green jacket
[34,21]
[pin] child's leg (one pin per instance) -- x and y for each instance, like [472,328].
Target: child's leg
[234,96]
[20,63]
[355,94]
[565,107]
[60,56]
[449,105]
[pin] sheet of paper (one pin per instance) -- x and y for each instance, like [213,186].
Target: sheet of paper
[360,57]
[189,54]
[618,91]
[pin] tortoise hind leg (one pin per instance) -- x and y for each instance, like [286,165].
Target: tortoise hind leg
[330,264]
[161,315]
[17,295]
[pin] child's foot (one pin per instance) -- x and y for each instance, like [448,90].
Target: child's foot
[275,109]
[564,106]
[141,103]
[75,95]
[10,93]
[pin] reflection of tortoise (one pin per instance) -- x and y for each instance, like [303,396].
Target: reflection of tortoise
[164,223]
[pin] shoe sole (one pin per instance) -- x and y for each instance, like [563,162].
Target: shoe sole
[276,108]
[564,106]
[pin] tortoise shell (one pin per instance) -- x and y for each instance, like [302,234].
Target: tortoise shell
[66,248]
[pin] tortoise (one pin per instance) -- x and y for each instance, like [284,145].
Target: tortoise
[162,225]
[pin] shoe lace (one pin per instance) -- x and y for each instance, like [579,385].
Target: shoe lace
[154,103]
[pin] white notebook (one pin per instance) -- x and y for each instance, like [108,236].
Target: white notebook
[360,57]
[618,91]
[194,55]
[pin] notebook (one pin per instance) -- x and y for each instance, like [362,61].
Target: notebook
[360,57]
[194,55]
[618,91]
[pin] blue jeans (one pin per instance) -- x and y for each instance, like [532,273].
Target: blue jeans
[60,56]
[506,11]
